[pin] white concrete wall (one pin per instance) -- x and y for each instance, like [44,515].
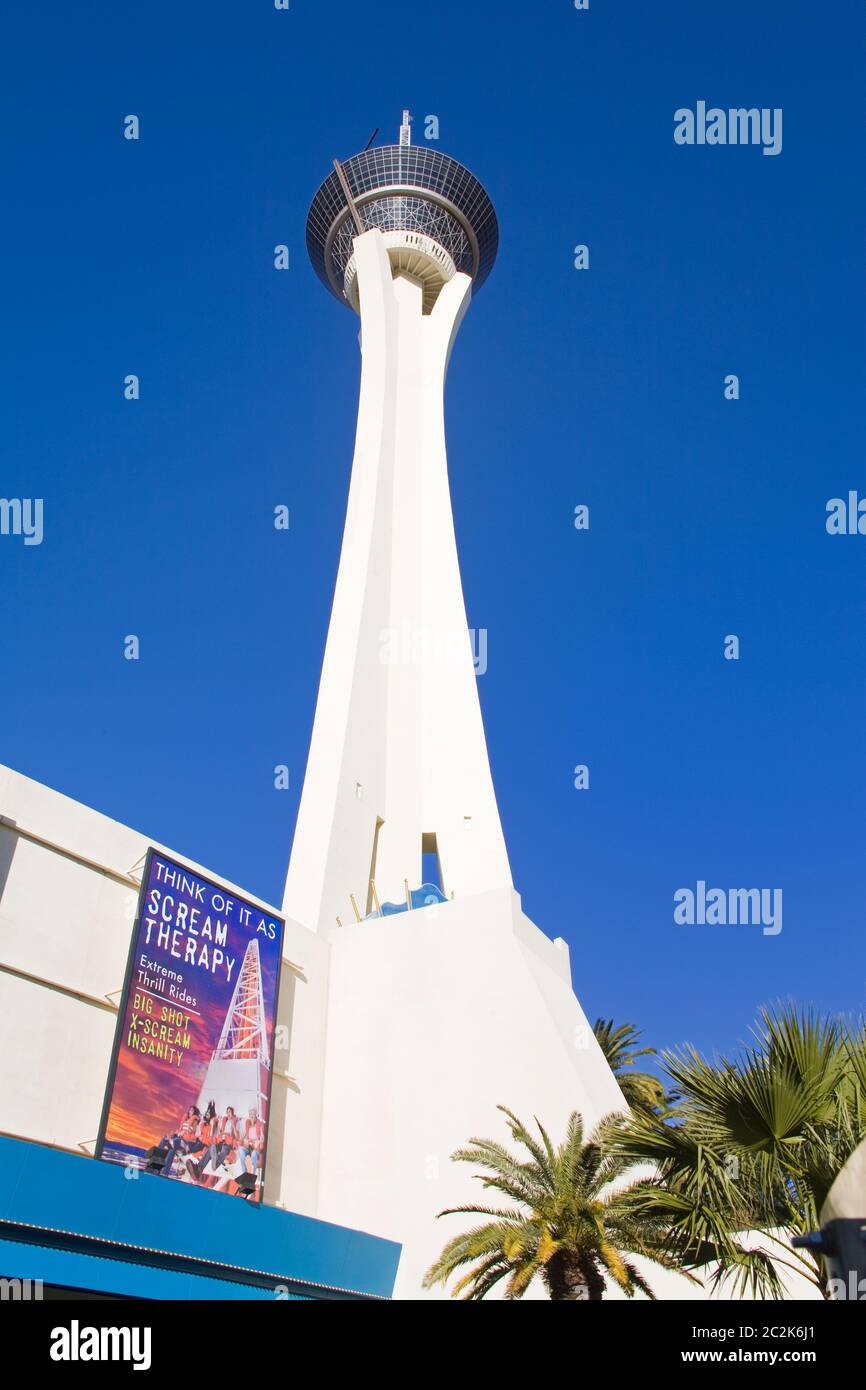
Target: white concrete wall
[69,924]
[435,1019]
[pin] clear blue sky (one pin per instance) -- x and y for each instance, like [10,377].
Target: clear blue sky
[603,387]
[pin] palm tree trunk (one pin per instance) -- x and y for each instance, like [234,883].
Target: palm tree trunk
[573,1280]
[591,1280]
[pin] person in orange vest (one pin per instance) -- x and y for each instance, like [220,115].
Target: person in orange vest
[203,1140]
[252,1141]
[224,1138]
[185,1138]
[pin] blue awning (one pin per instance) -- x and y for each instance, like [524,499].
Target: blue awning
[86,1224]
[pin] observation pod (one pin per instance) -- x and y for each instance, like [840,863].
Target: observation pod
[434,215]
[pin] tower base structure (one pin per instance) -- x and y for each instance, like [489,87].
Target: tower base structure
[435,1018]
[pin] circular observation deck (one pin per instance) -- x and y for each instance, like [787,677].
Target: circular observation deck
[435,217]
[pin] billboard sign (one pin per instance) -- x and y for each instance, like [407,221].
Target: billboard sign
[190,1085]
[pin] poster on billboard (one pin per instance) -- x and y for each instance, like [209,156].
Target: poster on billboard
[189,1091]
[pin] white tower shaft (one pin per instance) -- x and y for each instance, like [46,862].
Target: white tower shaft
[398,758]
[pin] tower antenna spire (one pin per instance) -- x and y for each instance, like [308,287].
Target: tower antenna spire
[406,129]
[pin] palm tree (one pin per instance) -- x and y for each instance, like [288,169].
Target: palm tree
[754,1145]
[571,1221]
[643,1092]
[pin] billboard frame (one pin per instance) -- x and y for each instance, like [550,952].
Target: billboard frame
[151,853]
